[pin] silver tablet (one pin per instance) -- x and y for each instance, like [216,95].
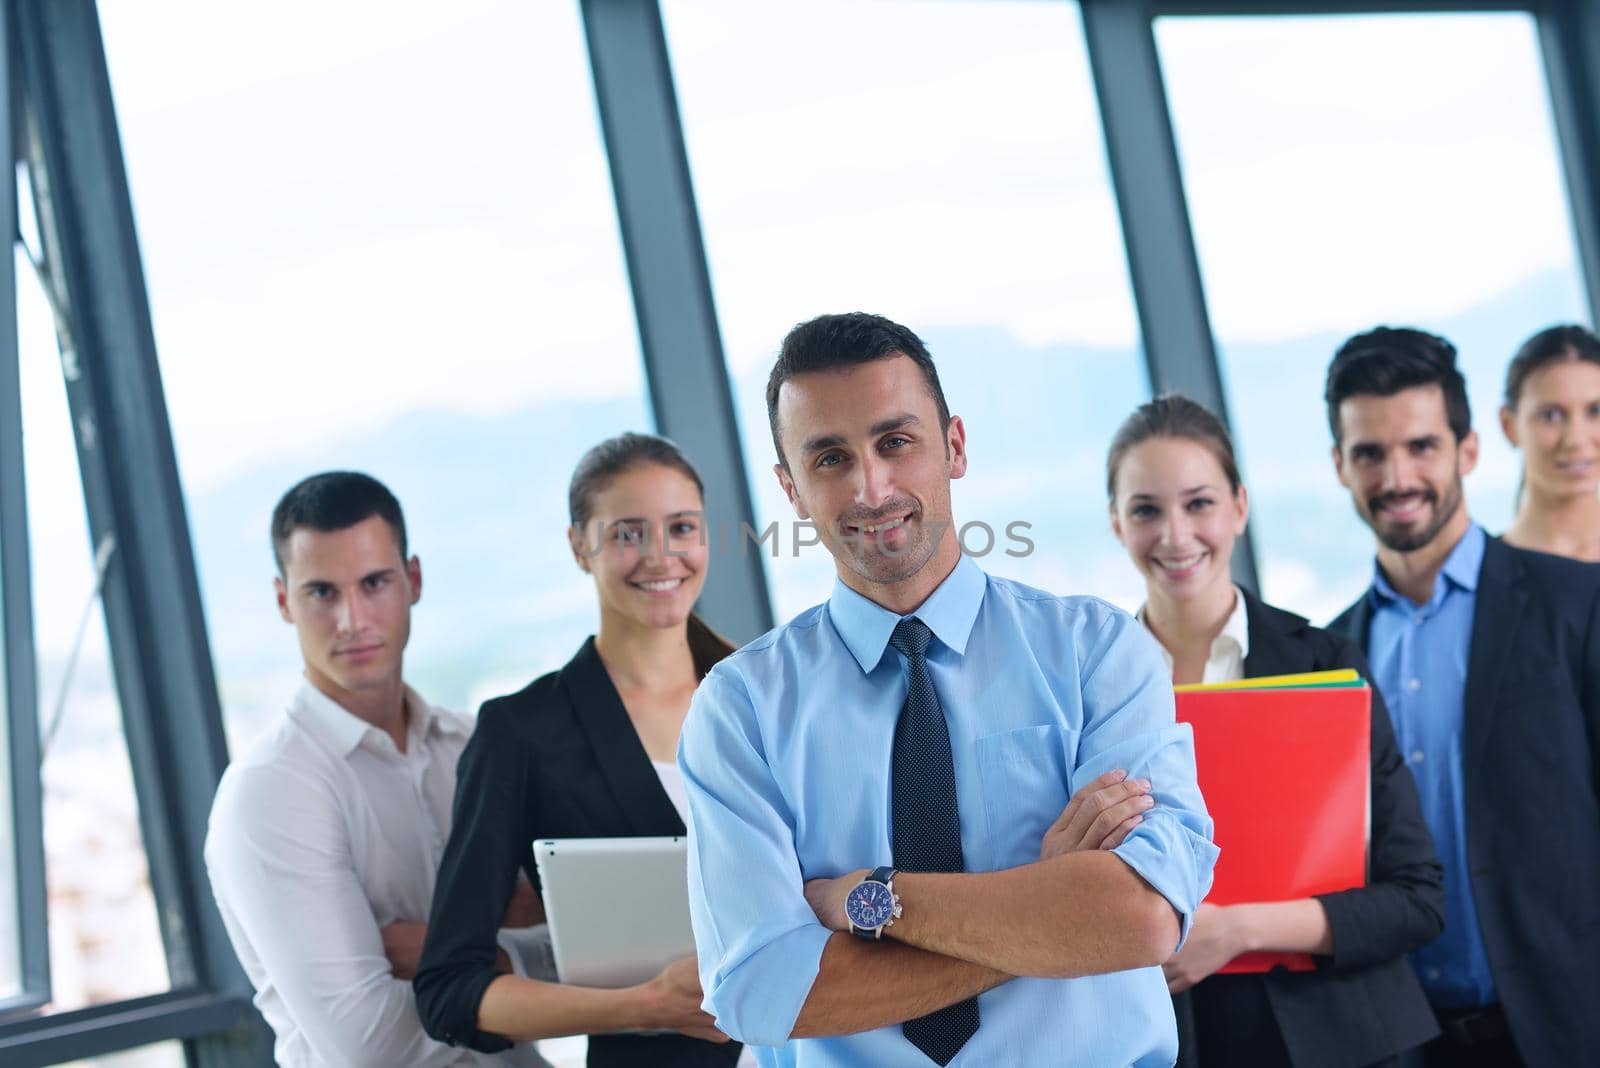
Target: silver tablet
[618,907]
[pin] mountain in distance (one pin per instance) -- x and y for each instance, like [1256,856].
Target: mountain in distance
[485,503]
[1314,554]
[486,498]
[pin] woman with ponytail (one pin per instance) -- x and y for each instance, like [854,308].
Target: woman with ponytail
[588,751]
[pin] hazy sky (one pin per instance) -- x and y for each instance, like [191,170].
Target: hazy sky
[1363,169]
[351,211]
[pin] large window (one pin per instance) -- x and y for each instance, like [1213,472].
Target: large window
[386,244]
[383,236]
[105,942]
[1348,171]
[396,252]
[940,164]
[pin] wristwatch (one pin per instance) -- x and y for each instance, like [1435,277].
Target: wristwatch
[872,904]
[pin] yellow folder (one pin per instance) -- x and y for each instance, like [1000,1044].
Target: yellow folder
[1337,677]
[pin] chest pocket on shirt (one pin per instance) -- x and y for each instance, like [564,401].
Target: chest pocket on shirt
[1026,783]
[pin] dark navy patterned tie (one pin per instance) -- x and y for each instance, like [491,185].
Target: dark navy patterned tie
[925,827]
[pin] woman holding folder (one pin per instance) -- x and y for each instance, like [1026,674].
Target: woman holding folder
[588,751]
[1177,506]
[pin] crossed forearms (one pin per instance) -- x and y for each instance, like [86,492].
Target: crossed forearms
[1082,913]
[861,986]
[1085,913]
[961,934]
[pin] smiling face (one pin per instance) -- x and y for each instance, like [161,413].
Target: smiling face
[349,595]
[870,466]
[1556,424]
[645,545]
[1403,466]
[1177,515]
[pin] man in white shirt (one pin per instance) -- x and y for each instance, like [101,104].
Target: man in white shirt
[324,841]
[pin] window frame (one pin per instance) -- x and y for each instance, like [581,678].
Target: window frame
[20,700]
[55,79]
[59,89]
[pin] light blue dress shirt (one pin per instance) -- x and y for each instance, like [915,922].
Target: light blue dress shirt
[1419,661]
[786,756]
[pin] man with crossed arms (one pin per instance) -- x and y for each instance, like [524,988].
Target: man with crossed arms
[930,718]
[325,837]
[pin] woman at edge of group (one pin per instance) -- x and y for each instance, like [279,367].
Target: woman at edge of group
[1177,506]
[586,751]
[1552,413]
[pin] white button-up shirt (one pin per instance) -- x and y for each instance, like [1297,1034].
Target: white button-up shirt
[1228,649]
[321,836]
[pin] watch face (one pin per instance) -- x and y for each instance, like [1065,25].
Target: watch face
[870,905]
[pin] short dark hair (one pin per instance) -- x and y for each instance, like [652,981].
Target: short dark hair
[334,500]
[1172,415]
[597,467]
[1387,359]
[1567,342]
[830,342]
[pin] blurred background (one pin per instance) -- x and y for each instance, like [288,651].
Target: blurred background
[387,237]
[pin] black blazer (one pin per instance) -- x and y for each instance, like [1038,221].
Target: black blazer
[558,759]
[1363,1003]
[1529,751]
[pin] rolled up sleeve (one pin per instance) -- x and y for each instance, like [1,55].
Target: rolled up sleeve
[1129,723]
[759,944]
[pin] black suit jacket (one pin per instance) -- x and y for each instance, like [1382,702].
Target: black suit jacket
[558,759]
[1529,751]
[1363,1003]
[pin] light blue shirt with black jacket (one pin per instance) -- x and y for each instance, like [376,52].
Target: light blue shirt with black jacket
[1419,657]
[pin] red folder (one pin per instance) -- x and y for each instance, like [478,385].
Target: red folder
[1286,777]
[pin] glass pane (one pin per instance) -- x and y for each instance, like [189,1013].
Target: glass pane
[160,1055]
[940,164]
[105,943]
[398,253]
[10,935]
[1401,170]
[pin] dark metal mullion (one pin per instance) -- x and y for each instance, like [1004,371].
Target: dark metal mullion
[21,707]
[1569,37]
[21,1006]
[1180,353]
[92,424]
[94,1032]
[153,616]
[689,389]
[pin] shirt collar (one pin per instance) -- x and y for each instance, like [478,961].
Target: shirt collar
[344,731]
[1460,568]
[950,611]
[1235,629]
